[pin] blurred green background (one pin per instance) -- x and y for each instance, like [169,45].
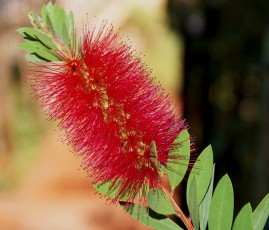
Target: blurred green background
[211,56]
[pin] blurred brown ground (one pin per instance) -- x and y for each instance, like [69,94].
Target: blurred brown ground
[56,195]
[41,184]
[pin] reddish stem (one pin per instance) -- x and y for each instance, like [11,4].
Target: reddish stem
[178,211]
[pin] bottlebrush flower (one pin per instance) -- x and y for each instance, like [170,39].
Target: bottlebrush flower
[111,110]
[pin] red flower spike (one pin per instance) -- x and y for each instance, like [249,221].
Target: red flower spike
[111,110]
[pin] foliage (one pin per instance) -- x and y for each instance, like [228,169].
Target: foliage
[206,211]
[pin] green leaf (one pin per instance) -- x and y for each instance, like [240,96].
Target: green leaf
[50,6]
[152,219]
[50,26]
[105,189]
[244,221]
[30,46]
[111,191]
[72,35]
[34,19]
[159,202]
[55,16]
[192,203]
[65,36]
[36,35]
[261,213]
[38,50]
[70,24]
[202,169]
[60,23]
[75,46]
[221,208]
[154,158]
[44,53]
[44,12]
[177,168]
[59,20]
[33,58]
[55,11]
[205,204]
[154,154]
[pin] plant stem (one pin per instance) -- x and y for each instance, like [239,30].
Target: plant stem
[178,211]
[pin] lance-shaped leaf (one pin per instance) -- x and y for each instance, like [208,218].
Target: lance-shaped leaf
[154,154]
[60,23]
[221,208]
[71,31]
[105,189]
[35,20]
[44,11]
[49,25]
[178,165]
[50,6]
[30,46]
[38,51]
[202,169]
[32,34]
[261,213]
[34,58]
[111,191]
[205,204]
[244,221]
[159,202]
[46,55]
[108,190]
[65,36]
[154,157]
[193,204]
[150,218]
[70,17]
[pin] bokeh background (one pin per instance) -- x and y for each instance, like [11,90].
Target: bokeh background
[211,56]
